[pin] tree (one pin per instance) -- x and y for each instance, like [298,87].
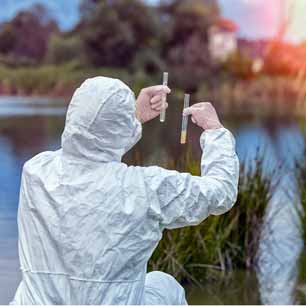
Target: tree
[186,44]
[27,34]
[7,38]
[114,31]
[188,18]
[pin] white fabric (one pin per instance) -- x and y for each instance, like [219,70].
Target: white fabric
[163,289]
[88,223]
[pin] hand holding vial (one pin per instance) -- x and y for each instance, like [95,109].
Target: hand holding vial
[149,102]
[204,115]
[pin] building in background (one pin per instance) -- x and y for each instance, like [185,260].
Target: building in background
[222,39]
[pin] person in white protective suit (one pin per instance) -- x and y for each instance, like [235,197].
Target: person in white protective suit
[88,223]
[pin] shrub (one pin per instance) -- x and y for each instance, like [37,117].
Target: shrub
[64,50]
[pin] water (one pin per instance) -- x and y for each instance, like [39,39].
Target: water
[29,126]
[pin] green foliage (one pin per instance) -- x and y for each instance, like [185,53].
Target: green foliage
[124,34]
[27,34]
[7,38]
[263,97]
[127,27]
[61,80]
[220,243]
[64,49]
[240,66]
[171,37]
[186,46]
[190,17]
[149,62]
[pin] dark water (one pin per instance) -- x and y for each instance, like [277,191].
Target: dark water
[29,126]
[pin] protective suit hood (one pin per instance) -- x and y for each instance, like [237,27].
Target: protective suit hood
[100,123]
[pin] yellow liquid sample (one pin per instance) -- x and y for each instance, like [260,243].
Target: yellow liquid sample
[183,137]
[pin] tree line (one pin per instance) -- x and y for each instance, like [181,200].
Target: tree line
[117,33]
[138,37]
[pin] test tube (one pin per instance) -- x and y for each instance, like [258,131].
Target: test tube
[164,97]
[185,120]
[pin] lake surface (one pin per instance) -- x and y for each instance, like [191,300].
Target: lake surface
[31,125]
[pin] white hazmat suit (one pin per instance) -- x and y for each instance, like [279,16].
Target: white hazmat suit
[89,223]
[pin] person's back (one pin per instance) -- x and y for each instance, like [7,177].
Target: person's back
[88,223]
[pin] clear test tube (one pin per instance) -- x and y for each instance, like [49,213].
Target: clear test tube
[185,120]
[164,98]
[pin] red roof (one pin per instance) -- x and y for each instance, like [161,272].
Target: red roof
[227,25]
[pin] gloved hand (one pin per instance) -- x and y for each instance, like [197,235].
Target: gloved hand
[149,102]
[204,115]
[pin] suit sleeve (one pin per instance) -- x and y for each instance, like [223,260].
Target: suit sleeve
[181,199]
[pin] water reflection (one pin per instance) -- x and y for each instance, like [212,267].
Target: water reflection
[238,288]
[22,135]
[29,126]
[281,245]
[18,106]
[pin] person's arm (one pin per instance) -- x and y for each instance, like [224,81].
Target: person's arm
[180,199]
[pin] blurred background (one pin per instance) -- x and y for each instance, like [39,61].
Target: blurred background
[248,57]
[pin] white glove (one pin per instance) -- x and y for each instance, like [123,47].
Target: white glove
[149,102]
[204,115]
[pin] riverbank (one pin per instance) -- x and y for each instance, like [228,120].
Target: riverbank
[260,97]
[58,81]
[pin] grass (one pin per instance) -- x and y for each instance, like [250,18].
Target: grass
[222,243]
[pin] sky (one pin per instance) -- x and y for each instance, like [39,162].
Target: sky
[261,18]
[255,18]
[65,11]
